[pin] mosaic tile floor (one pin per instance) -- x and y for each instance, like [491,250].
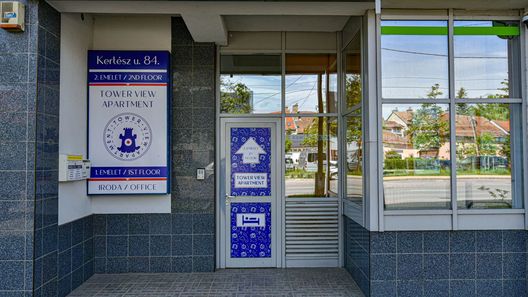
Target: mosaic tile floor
[309,282]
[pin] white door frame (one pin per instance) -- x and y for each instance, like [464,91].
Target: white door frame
[223,238]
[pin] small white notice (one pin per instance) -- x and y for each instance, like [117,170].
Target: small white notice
[251,180]
[251,219]
[251,152]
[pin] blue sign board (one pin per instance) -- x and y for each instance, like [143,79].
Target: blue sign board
[250,161]
[251,230]
[128,114]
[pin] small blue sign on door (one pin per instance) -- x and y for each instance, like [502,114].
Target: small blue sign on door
[251,230]
[250,161]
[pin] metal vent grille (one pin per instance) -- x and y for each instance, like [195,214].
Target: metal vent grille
[312,231]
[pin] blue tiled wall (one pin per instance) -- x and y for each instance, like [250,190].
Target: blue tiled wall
[458,263]
[178,242]
[437,263]
[357,253]
[29,107]
[18,82]
[182,241]
[46,155]
[75,254]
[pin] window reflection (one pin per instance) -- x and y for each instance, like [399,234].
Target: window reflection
[352,58]
[416,161]
[250,84]
[483,150]
[311,154]
[354,157]
[311,83]
[481,59]
[414,59]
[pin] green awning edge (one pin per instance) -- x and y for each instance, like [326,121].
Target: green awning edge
[496,31]
[414,30]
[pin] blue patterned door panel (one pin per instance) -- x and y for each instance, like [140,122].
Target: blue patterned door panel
[251,230]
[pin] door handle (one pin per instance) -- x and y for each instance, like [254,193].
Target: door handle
[228,199]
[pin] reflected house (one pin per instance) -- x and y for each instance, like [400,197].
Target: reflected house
[396,136]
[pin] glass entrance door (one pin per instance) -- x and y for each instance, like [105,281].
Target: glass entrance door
[250,209]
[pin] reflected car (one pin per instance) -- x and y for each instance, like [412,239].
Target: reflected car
[290,165]
[483,163]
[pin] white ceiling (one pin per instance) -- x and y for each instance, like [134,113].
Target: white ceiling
[209,21]
[312,23]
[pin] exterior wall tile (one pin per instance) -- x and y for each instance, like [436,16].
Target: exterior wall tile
[383,288]
[139,224]
[383,267]
[463,266]
[160,245]
[160,264]
[182,245]
[489,288]
[409,242]
[462,288]
[139,245]
[462,241]
[182,264]
[489,241]
[436,266]
[410,267]
[138,264]
[514,265]
[450,263]
[436,288]
[489,266]
[383,242]
[515,288]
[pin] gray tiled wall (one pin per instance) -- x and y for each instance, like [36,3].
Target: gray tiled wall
[182,241]
[438,263]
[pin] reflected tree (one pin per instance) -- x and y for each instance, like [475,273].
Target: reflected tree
[235,97]
[428,130]
[353,89]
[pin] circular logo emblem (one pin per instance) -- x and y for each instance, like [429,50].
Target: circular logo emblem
[127,136]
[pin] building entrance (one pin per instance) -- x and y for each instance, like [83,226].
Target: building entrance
[251,185]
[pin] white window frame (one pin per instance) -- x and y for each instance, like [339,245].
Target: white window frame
[448,219]
[282,51]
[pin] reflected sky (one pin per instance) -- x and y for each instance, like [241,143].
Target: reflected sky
[412,64]
[300,89]
[266,90]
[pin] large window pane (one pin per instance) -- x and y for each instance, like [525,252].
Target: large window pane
[482,52]
[484,138]
[352,61]
[311,83]
[416,161]
[311,157]
[414,61]
[250,84]
[354,158]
